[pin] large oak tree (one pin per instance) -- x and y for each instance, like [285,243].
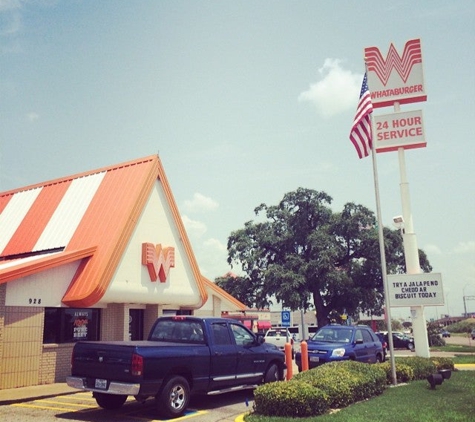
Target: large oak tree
[303,255]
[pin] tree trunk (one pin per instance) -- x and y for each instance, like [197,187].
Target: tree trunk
[322,312]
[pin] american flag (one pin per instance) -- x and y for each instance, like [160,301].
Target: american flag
[361,135]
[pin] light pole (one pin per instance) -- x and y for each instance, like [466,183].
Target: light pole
[464,300]
[447,300]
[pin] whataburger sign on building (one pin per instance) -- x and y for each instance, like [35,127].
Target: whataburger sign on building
[397,79]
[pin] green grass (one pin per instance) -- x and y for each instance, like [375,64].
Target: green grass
[453,348]
[452,401]
[464,359]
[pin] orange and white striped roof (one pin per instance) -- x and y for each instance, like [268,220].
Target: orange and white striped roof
[88,217]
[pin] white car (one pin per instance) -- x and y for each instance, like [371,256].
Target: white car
[278,337]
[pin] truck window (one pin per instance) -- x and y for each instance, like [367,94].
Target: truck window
[241,335]
[221,334]
[178,331]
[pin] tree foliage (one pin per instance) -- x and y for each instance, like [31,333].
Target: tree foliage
[303,255]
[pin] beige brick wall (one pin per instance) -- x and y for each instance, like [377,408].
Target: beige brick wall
[3,292]
[55,363]
[115,322]
[21,346]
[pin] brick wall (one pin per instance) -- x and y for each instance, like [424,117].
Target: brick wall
[3,293]
[115,322]
[55,364]
[22,342]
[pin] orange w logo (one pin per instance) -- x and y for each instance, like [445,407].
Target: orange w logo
[412,55]
[158,260]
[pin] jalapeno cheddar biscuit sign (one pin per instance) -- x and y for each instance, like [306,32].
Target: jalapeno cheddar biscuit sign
[415,289]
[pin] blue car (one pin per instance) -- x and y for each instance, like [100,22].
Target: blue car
[342,342]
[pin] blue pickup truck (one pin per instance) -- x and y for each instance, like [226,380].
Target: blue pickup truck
[183,355]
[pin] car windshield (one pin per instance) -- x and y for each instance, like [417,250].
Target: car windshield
[333,335]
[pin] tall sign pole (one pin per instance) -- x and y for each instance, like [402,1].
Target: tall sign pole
[383,265]
[396,80]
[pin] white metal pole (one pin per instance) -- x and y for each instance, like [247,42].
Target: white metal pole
[411,255]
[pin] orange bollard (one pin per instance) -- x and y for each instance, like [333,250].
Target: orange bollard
[288,360]
[304,355]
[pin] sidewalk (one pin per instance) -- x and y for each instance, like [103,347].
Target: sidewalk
[17,395]
[35,392]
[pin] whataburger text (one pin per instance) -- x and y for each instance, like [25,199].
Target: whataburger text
[415,289]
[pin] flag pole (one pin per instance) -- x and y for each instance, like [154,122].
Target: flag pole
[382,251]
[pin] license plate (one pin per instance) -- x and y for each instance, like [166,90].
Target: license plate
[314,359]
[101,384]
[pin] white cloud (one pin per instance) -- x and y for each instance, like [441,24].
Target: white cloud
[465,247]
[212,258]
[431,249]
[32,116]
[6,5]
[200,203]
[215,245]
[194,228]
[335,92]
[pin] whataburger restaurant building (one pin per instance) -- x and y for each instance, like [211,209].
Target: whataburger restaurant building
[94,256]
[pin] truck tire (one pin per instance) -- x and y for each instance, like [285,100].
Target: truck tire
[272,374]
[109,401]
[174,397]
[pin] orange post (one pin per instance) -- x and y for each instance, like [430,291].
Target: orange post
[304,355]
[288,360]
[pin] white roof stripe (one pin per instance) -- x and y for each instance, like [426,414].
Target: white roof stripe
[69,213]
[14,213]
[15,262]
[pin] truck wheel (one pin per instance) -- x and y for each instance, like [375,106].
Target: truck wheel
[272,374]
[109,401]
[173,400]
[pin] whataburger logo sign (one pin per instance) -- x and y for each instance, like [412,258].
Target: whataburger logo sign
[396,78]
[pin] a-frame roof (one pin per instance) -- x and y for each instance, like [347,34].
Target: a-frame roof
[88,217]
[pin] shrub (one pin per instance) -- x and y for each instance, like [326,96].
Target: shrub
[290,399]
[464,326]
[433,335]
[443,363]
[404,373]
[346,382]
[422,367]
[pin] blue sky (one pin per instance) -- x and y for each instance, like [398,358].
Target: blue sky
[244,101]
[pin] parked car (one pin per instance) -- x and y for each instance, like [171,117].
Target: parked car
[445,333]
[342,342]
[401,341]
[473,334]
[279,337]
[384,344]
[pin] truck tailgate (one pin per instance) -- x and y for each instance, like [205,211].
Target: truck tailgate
[101,360]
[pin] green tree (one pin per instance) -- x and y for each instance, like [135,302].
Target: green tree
[300,253]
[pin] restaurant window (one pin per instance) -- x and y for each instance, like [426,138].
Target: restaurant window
[136,320]
[68,325]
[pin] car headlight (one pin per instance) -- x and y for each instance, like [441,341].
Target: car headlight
[338,352]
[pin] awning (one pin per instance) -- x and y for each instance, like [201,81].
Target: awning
[11,270]
[264,325]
